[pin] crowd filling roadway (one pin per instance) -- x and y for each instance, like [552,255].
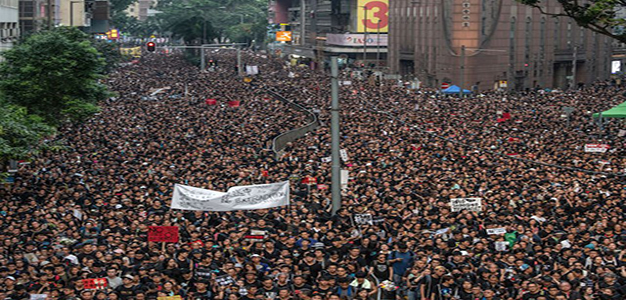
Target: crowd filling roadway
[551,226]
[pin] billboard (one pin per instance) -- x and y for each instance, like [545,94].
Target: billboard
[356,39]
[283,36]
[373,16]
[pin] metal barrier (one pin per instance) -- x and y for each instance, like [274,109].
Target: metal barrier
[280,142]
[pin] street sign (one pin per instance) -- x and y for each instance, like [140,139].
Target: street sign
[445,85]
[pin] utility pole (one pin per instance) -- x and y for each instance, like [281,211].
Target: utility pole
[239,66]
[574,60]
[302,21]
[49,14]
[365,38]
[202,59]
[378,44]
[462,70]
[334,130]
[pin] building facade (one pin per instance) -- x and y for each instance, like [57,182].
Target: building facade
[354,30]
[485,44]
[9,23]
[141,9]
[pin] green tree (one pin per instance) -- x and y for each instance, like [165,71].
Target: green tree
[54,74]
[198,20]
[20,133]
[597,15]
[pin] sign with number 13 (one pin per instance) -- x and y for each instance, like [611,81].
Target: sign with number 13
[373,16]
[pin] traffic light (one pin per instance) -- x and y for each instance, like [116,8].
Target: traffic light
[151,46]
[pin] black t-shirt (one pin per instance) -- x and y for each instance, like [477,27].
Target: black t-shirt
[126,292]
[311,270]
[533,296]
[381,270]
[269,293]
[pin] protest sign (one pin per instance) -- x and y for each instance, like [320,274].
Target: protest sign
[598,148]
[322,186]
[245,197]
[327,159]
[95,283]
[256,235]
[234,103]
[363,219]
[224,280]
[177,297]
[38,296]
[309,180]
[167,234]
[210,101]
[502,246]
[471,204]
[496,231]
[343,154]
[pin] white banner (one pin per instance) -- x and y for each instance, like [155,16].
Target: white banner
[246,197]
[601,148]
[471,204]
[500,230]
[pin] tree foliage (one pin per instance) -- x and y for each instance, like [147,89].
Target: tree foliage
[198,20]
[20,133]
[597,15]
[54,74]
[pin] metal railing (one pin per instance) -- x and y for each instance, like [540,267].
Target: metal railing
[280,141]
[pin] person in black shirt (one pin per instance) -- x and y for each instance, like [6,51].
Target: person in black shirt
[299,288]
[200,291]
[268,289]
[381,268]
[127,289]
[310,267]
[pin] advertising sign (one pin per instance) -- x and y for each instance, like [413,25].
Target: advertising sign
[373,16]
[283,36]
[357,39]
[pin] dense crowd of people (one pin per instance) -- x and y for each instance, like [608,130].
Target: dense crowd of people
[551,226]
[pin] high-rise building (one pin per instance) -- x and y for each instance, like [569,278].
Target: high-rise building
[35,15]
[92,16]
[484,44]
[9,26]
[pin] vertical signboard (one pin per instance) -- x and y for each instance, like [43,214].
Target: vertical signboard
[373,16]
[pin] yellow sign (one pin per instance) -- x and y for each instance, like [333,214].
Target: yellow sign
[134,51]
[247,79]
[177,297]
[373,16]
[283,36]
[113,34]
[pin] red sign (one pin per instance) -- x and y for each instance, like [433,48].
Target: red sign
[234,103]
[309,180]
[513,140]
[168,234]
[445,86]
[210,102]
[506,115]
[322,186]
[95,283]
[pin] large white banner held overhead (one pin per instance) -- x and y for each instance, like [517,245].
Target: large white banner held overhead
[246,197]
